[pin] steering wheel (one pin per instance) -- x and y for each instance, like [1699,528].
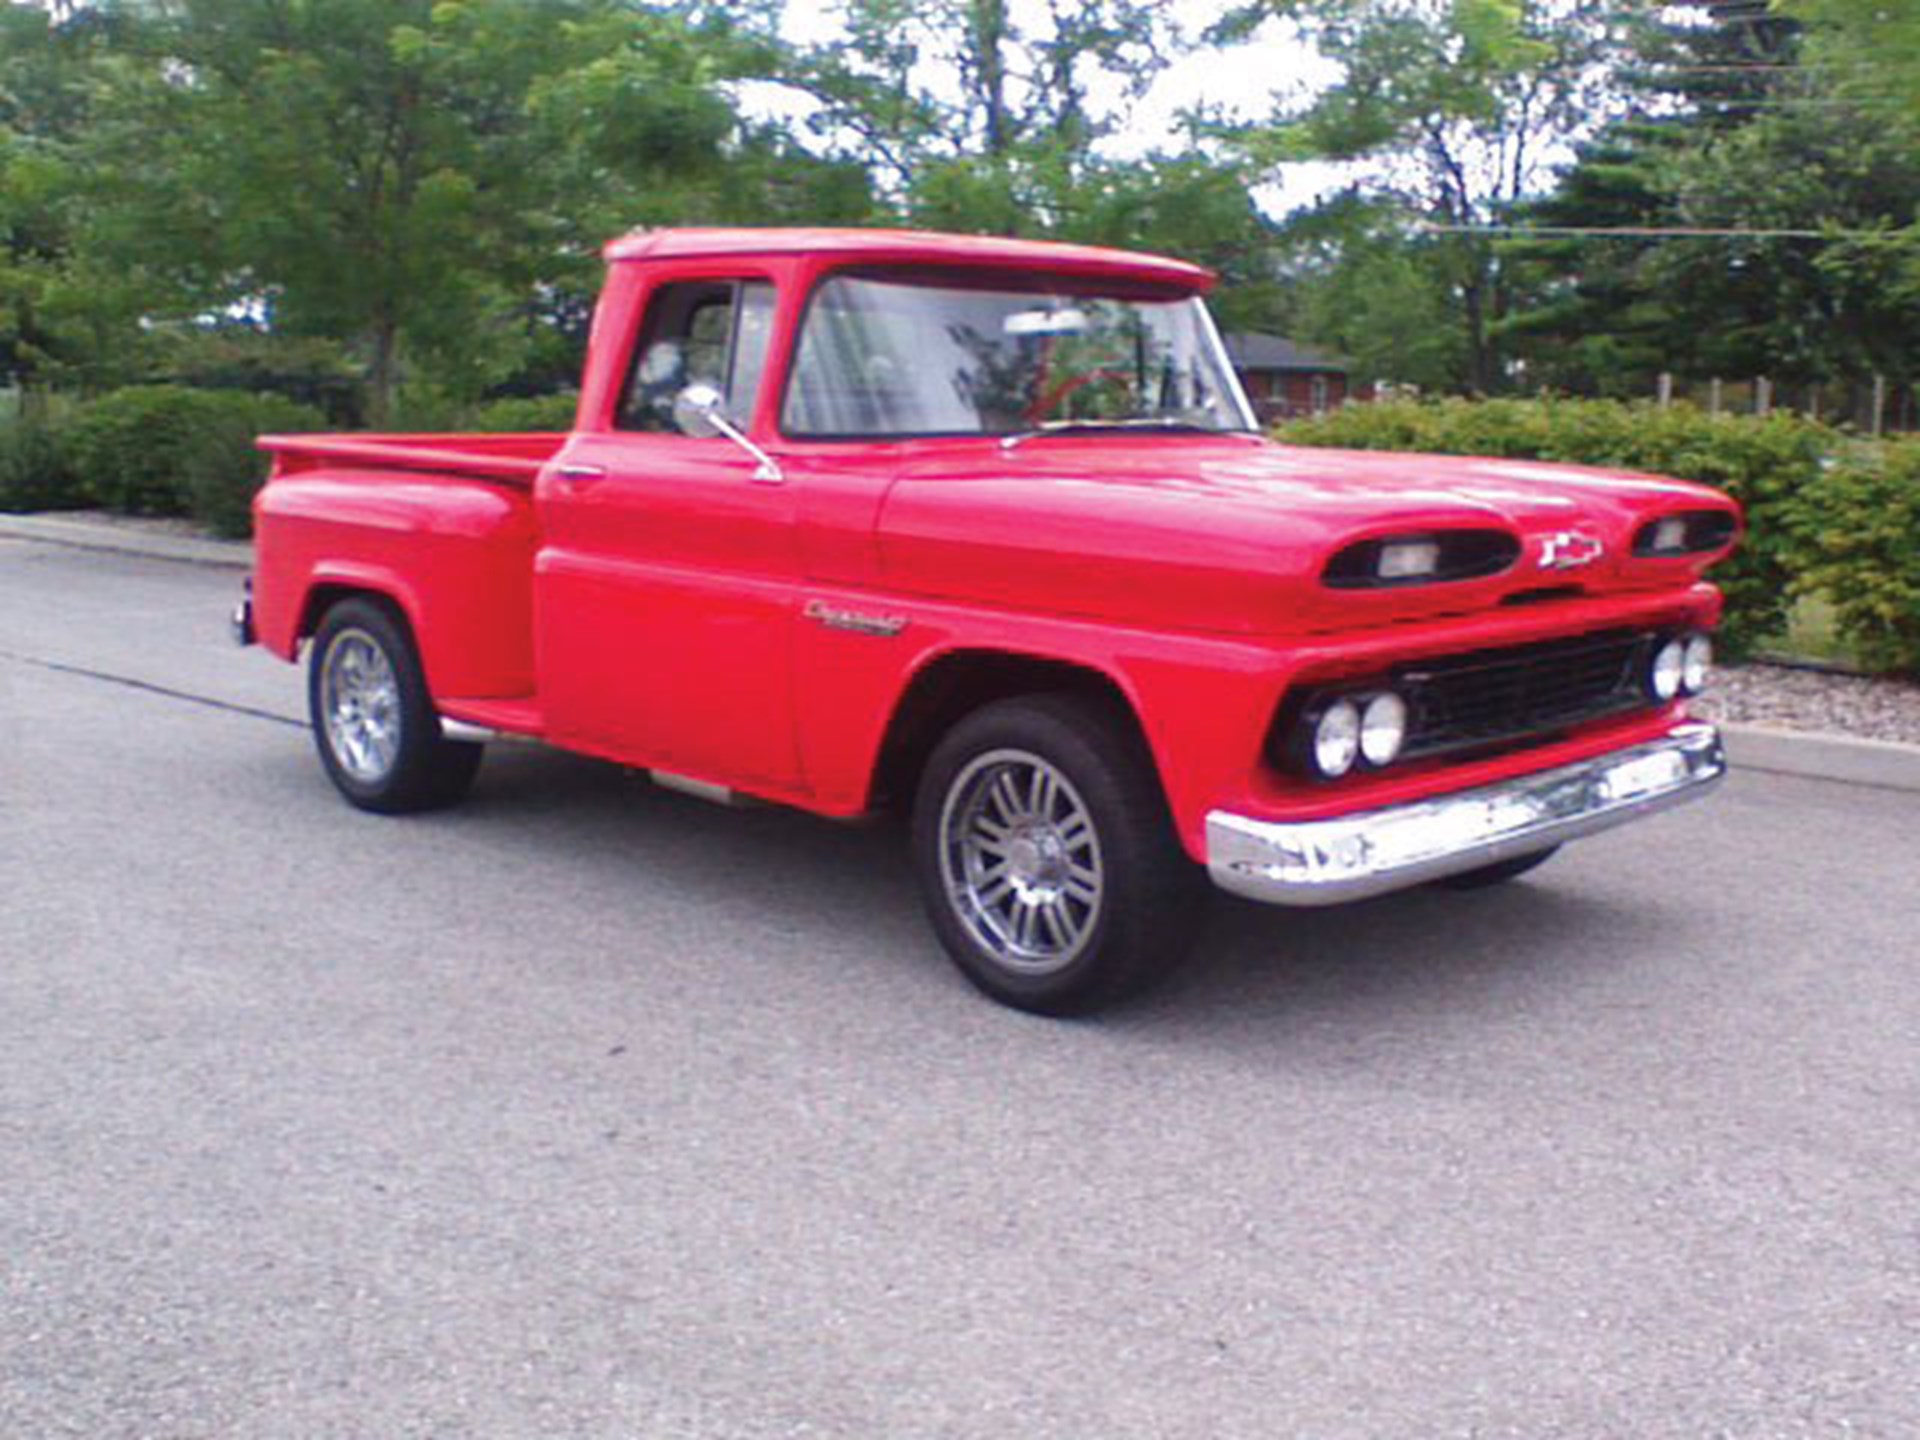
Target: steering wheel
[1050,401]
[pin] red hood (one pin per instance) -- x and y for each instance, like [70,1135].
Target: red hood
[1232,534]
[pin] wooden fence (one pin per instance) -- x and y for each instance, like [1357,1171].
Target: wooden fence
[1875,406]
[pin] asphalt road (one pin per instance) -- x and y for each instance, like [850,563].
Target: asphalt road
[589,1110]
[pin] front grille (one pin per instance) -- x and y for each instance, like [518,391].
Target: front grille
[1485,697]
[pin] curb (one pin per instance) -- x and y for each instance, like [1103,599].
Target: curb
[1818,756]
[1881,763]
[77,534]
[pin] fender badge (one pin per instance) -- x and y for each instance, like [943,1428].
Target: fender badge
[1569,550]
[837,619]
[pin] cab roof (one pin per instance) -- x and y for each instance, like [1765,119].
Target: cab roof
[924,247]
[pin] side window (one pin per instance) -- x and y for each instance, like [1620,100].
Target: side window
[712,332]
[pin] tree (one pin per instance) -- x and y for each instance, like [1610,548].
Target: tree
[1464,106]
[976,115]
[1867,52]
[1368,286]
[1730,134]
[63,317]
[428,179]
[976,118]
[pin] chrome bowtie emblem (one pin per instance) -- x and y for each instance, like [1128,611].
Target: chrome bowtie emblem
[1568,550]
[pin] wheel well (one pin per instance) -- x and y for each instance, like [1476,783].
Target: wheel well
[323,598]
[956,685]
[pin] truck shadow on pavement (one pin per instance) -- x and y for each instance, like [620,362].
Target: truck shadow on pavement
[843,894]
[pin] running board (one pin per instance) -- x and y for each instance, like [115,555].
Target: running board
[702,789]
[463,733]
[487,719]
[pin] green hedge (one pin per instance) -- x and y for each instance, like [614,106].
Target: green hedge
[1863,539]
[36,462]
[224,468]
[170,450]
[1768,465]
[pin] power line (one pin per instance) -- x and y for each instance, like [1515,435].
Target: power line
[1755,67]
[1650,232]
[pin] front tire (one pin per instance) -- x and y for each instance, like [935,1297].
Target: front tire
[373,718]
[1046,857]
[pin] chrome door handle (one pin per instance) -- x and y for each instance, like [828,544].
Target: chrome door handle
[583,474]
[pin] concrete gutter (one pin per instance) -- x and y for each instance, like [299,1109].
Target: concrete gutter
[1749,747]
[122,537]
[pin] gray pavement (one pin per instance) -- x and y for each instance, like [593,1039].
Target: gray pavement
[589,1110]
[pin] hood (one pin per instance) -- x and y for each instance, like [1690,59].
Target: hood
[1233,534]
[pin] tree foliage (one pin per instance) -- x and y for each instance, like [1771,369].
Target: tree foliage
[1775,208]
[1462,106]
[66,315]
[355,201]
[404,173]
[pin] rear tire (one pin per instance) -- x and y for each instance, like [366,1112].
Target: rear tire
[374,723]
[1046,858]
[1498,873]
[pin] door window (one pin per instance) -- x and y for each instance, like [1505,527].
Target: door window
[711,332]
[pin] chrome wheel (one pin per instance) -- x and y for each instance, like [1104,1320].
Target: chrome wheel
[1021,861]
[360,706]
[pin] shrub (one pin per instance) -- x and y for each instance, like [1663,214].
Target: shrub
[36,468]
[1765,464]
[169,450]
[526,414]
[224,468]
[131,446]
[1863,523]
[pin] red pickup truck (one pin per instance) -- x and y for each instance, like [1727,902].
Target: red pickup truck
[984,528]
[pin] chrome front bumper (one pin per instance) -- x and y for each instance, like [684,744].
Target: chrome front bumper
[1325,862]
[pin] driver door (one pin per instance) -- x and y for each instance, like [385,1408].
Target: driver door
[666,590]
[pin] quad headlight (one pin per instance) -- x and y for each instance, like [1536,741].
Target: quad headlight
[1697,665]
[1383,728]
[1336,739]
[1669,666]
[1680,666]
[1351,732]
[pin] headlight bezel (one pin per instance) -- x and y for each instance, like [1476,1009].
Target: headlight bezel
[1308,745]
[1678,666]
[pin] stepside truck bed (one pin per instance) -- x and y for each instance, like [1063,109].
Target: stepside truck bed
[441,523]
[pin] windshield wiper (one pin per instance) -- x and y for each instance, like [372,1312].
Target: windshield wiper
[1140,422]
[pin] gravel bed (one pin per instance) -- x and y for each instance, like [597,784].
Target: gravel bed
[1796,699]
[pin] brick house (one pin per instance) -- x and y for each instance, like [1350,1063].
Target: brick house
[1284,379]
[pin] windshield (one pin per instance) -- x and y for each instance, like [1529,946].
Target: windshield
[894,357]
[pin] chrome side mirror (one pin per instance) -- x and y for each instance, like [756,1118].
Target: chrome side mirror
[700,410]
